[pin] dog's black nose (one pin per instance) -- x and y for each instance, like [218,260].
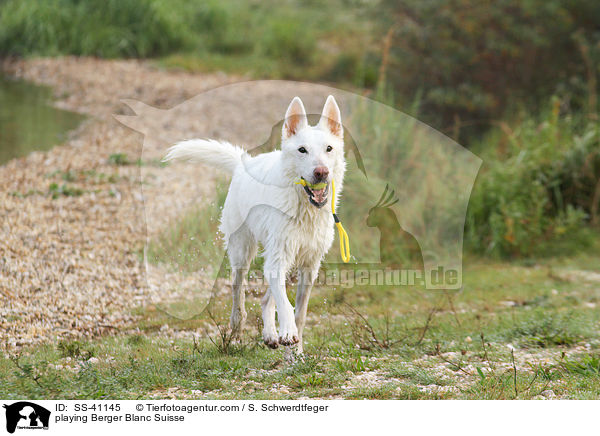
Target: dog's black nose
[320,173]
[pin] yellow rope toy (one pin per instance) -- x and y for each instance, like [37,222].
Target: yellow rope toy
[343,236]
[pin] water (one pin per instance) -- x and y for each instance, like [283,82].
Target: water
[28,122]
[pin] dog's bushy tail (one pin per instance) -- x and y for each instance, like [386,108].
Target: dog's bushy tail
[222,155]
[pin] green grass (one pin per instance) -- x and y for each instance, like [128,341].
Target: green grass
[283,40]
[111,28]
[385,342]
[438,346]
[119,159]
[273,39]
[57,190]
[65,183]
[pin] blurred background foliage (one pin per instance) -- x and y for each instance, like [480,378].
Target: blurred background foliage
[514,81]
[476,59]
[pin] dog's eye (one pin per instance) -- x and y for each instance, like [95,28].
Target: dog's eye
[329,148]
[302,150]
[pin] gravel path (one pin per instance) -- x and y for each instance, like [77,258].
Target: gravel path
[70,266]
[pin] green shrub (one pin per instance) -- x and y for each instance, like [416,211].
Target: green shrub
[286,39]
[543,187]
[356,68]
[474,59]
[537,192]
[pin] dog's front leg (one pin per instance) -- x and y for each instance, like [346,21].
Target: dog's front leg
[268,314]
[306,278]
[288,333]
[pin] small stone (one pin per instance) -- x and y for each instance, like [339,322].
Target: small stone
[548,393]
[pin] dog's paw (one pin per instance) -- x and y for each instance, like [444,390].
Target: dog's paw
[271,343]
[288,334]
[270,339]
[288,340]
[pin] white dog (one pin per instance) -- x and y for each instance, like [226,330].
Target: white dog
[265,204]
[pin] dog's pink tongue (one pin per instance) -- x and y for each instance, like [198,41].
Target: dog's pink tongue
[319,195]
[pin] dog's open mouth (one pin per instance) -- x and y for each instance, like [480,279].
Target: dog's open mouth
[317,193]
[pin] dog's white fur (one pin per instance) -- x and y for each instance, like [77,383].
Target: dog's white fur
[264,204]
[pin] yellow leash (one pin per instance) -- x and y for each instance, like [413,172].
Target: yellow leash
[343,236]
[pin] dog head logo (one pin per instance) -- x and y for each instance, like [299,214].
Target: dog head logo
[26,415]
[419,227]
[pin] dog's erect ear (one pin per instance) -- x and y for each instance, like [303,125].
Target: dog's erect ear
[331,118]
[295,118]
